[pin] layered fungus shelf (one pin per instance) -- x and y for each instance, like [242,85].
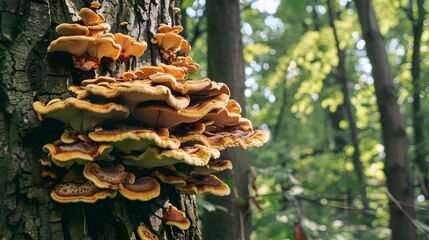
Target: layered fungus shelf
[149,128]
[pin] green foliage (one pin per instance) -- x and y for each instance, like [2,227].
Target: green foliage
[300,174]
[291,69]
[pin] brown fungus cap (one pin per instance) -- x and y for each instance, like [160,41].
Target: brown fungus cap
[95,5]
[103,47]
[185,47]
[164,28]
[89,17]
[45,162]
[147,71]
[96,30]
[171,41]
[129,75]
[222,139]
[175,217]
[143,189]
[169,175]
[222,117]
[79,114]
[197,87]
[71,29]
[130,48]
[99,79]
[178,72]
[186,62]
[201,183]
[108,176]
[177,10]
[65,155]
[161,116]
[84,49]
[132,93]
[76,188]
[214,165]
[145,233]
[69,137]
[197,155]
[128,138]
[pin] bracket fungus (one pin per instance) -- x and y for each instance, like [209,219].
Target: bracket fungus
[175,217]
[129,139]
[201,183]
[131,93]
[162,116]
[79,114]
[155,121]
[145,233]
[143,189]
[130,48]
[109,176]
[197,155]
[65,155]
[214,165]
[76,188]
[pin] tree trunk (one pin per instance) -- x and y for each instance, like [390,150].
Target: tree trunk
[28,72]
[397,170]
[418,117]
[343,80]
[226,64]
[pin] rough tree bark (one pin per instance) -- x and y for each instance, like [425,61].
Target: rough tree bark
[226,64]
[27,73]
[397,169]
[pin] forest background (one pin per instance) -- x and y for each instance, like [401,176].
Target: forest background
[342,87]
[310,82]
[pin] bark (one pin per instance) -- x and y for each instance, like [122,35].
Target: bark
[418,117]
[226,64]
[343,79]
[28,73]
[397,170]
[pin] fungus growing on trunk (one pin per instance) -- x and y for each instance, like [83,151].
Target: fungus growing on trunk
[201,183]
[214,166]
[81,115]
[143,189]
[74,187]
[145,234]
[129,139]
[130,48]
[197,155]
[65,155]
[153,122]
[109,176]
[175,217]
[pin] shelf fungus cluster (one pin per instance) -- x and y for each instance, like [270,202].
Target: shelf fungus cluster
[151,128]
[89,42]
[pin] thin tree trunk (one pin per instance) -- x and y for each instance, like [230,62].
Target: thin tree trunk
[418,117]
[280,118]
[397,170]
[226,64]
[343,79]
[28,72]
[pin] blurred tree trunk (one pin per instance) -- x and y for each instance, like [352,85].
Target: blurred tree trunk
[226,64]
[418,117]
[343,80]
[26,72]
[397,169]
